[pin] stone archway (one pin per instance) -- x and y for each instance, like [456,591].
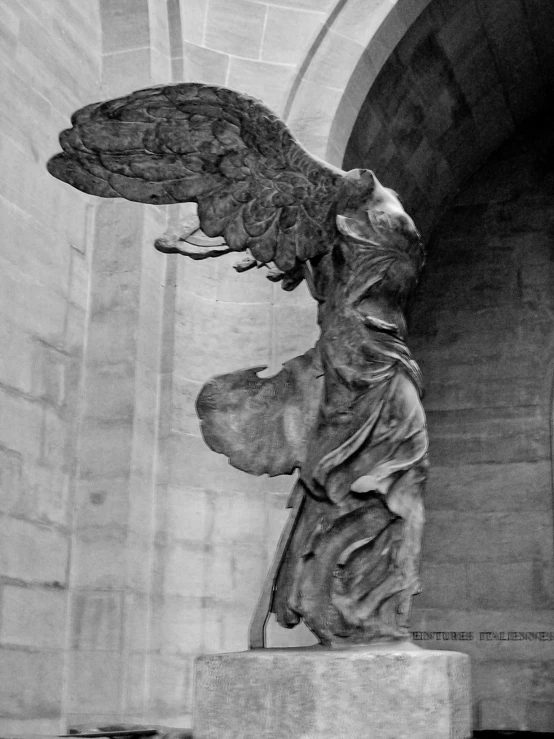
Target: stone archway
[464,83]
[482,331]
[340,68]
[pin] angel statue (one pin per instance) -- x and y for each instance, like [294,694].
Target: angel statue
[345,415]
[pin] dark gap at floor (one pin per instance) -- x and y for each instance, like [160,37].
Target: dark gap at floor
[516,734]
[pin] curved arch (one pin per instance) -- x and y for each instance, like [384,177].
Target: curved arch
[339,70]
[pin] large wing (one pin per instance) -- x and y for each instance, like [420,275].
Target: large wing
[254,184]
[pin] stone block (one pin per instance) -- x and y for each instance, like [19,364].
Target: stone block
[183,397]
[47,262]
[112,338]
[510,585]
[299,296]
[11,464]
[496,680]
[111,389]
[236,574]
[382,691]
[213,338]
[336,59]
[225,626]
[204,278]
[182,567]
[102,501]
[312,115]
[165,28]
[49,368]
[542,681]
[241,287]
[193,464]
[43,50]
[32,553]
[136,619]
[177,625]
[125,25]
[375,13]
[106,448]
[519,486]
[411,10]
[94,681]
[81,27]
[160,67]
[171,688]
[295,330]
[177,69]
[249,572]
[46,494]
[126,71]
[204,65]
[489,435]
[343,124]
[138,551]
[33,617]
[96,620]
[498,715]
[105,558]
[234,627]
[279,44]
[540,716]
[29,726]
[54,438]
[193,19]
[270,83]
[185,515]
[218,573]
[74,330]
[32,684]
[235,29]
[114,292]
[42,316]
[539,18]
[11,25]
[519,71]
[16,366]
[145,412]
[238,517]
[443,586]
[457,386]
[457,536]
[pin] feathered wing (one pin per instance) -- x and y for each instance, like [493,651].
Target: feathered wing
[254,184]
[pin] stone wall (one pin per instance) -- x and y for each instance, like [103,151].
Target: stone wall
[108,491]
[50,56]
[482,331]
[112,674]
[171,544]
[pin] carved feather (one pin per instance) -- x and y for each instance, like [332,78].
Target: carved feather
[254,183]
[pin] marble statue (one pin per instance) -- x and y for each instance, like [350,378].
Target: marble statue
[347,414]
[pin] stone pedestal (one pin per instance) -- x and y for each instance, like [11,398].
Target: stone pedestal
[379,692]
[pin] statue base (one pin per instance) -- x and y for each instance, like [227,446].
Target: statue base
[383,691]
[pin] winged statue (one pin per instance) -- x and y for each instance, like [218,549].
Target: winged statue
[346,415]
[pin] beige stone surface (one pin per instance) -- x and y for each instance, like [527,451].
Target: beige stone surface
[142,549]
[380,692]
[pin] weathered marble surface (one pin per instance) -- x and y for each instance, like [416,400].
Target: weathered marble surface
[346,415]
[378,692]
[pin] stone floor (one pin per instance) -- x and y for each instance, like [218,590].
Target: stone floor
[515,734]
